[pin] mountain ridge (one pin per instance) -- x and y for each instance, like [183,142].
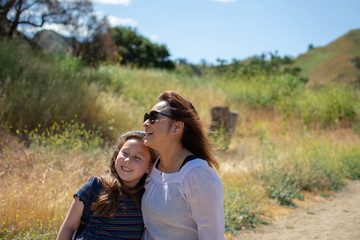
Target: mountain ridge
[54,42]
[334,62]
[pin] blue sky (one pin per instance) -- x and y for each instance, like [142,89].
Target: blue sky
[227,29]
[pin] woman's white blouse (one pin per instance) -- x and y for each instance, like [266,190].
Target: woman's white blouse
[184,205]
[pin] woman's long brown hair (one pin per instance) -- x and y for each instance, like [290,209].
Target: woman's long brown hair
[111,194]
[194,138]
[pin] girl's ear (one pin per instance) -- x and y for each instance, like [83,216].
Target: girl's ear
[148,170]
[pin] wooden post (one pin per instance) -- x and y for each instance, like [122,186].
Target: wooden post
[223,126]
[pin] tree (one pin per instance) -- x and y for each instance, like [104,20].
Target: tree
[310,47]
[36,13]
[99,46]
[203,62]
[356,61]
[182,61]
[137,50]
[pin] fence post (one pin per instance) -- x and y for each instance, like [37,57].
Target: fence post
[223,126]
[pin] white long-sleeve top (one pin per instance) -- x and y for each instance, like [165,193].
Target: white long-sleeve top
[186,205]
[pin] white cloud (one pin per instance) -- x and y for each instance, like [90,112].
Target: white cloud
[154,37]
[114,2]
[115,21]
[61,29]
[31,30]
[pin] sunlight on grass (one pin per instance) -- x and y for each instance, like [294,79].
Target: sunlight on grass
[288,139]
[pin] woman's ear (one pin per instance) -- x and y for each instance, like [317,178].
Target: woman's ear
[179,127]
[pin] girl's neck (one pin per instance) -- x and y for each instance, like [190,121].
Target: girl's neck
[172,158]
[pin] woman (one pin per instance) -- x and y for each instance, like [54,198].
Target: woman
[183,196]
[117,213]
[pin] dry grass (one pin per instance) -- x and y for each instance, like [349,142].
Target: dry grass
[37,187]
[38,183]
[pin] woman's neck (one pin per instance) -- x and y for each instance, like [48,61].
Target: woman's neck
[172,158]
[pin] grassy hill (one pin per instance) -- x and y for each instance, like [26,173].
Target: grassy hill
[333,62]
[53,42]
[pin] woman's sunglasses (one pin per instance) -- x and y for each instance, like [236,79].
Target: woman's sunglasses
[153,115]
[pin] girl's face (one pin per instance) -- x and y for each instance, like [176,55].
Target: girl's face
[132,162]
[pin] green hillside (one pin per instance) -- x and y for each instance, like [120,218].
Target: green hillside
[53,42]
[334,62]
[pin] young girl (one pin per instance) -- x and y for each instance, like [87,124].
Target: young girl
[116,212]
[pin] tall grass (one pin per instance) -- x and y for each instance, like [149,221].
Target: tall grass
[275,168]
[57,88]
[132,92]
[325,106]
[38,182]
[38,88]
[328,105]
[275,153]
[267,160]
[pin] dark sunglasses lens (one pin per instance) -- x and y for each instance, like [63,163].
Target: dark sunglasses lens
[151,116]
[146,117]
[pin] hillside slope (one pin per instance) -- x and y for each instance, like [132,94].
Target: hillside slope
[334,62]
[53,42]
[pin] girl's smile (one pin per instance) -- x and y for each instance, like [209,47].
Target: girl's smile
[132,161]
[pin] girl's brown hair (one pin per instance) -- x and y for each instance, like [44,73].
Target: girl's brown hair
[112,191]
[193,138]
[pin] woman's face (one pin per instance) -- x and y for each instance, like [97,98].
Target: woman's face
[132,162]
[158,132]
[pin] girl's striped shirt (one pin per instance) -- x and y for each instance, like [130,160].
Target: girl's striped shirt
[126,224]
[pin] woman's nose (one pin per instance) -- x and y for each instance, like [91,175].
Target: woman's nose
[146,123]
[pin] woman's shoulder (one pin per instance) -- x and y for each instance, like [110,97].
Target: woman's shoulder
[199,176]
[197,167]
[195,164]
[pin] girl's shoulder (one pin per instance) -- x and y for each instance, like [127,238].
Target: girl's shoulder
[93,184]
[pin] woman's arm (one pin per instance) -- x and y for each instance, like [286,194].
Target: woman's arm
[72,220]
[205,196]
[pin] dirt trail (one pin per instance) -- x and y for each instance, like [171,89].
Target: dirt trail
[336,218]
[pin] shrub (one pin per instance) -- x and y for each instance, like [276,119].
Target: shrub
[351,163]
[242,208]
[38,88]
[327,105]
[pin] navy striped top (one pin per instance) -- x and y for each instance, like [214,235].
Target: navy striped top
[126,224]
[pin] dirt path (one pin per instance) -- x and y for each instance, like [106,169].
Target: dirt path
[336,218]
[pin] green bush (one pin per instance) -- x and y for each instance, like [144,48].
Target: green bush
[38,88]
[241,208]
[328,105]
[282,184]
[351,163]
[261,90]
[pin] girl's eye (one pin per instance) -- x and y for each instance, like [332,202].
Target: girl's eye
[125,154]
[137,158]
